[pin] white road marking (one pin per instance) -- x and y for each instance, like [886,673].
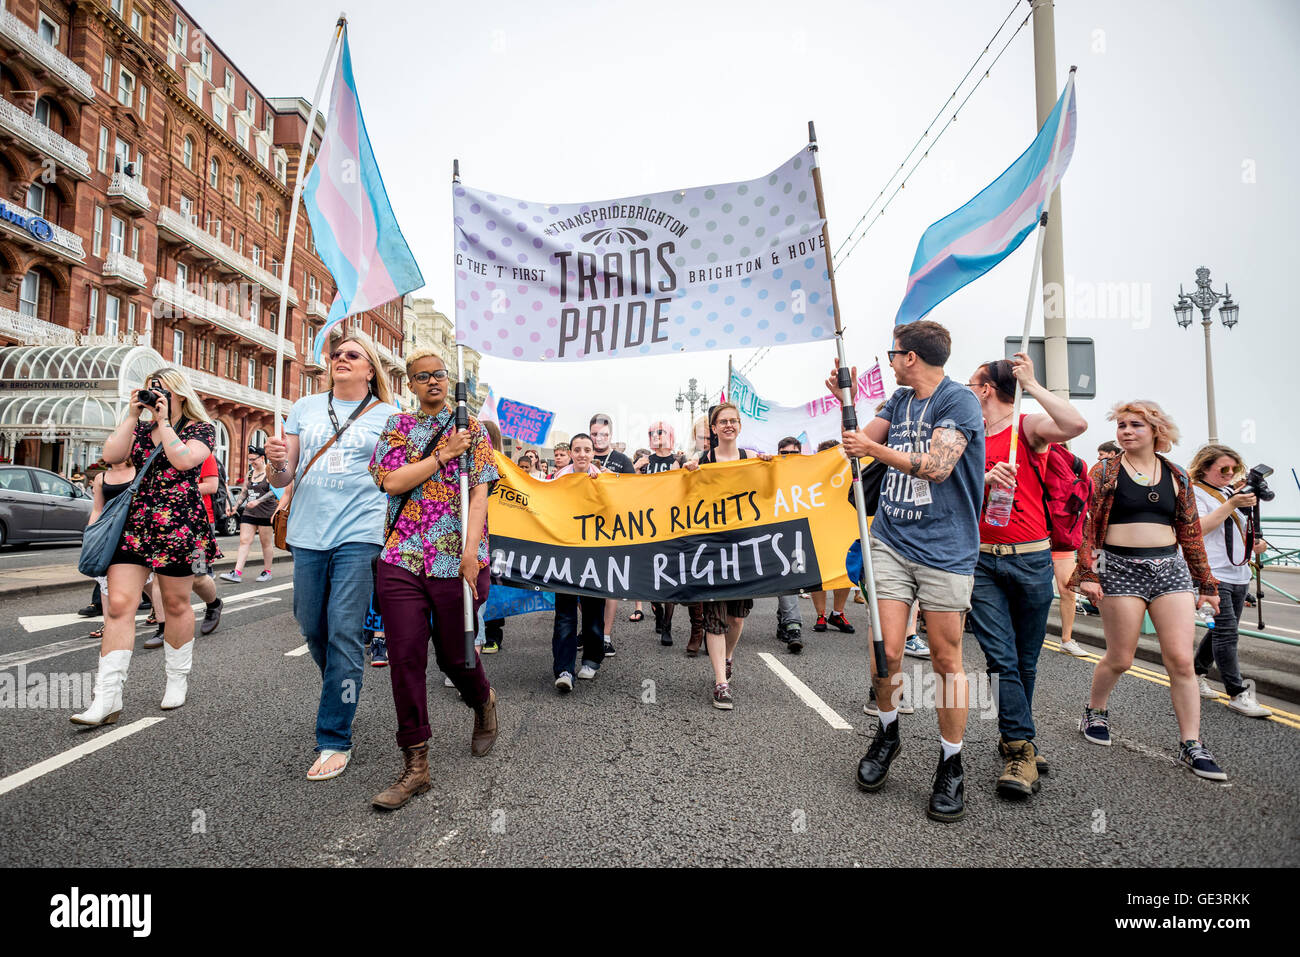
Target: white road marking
[33,623]
[15,658]
[300,650]
[805,694]
[67,757]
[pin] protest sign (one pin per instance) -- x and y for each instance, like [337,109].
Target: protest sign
[504,601]
[765,423]
[714,267]
[730,530]
[525,423]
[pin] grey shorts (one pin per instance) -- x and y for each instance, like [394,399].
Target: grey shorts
[1145,578]
[900,579]
[716,614]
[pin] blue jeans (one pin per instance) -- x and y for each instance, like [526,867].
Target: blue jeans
[1008,613]
[787,612]
[331,594]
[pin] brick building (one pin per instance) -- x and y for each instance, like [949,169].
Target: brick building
[145,184]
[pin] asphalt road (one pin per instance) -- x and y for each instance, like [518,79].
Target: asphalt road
[635,768]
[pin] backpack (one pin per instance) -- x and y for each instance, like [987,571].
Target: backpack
[1067,488]
[220,501]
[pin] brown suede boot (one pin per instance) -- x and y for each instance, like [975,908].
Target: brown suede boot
[1020,778]
[696,611]
[485,726]
[414,780]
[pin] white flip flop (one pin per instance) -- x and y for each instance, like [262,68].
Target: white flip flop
[325,755]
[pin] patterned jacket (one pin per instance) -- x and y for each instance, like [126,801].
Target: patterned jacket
[1187,525]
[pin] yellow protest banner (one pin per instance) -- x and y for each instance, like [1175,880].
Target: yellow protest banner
[730,530]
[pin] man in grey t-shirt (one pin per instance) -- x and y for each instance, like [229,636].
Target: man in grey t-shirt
[924,541]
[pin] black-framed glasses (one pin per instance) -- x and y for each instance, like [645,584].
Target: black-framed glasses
[423,377]
[896,352]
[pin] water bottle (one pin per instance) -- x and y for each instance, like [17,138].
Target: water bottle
[998,511]
[1206,615]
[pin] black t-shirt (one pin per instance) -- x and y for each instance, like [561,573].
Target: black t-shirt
[660,463]
[614,461]
[711,457]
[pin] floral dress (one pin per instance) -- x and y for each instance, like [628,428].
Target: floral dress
[167,523]
[425,539]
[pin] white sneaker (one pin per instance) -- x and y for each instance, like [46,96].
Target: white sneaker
[586,672]
[564,683]
[264,577]
[1071,647]
[1206,690]
[1245,703]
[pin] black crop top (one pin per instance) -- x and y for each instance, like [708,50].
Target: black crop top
[1133,502]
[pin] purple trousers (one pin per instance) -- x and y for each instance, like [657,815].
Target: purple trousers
[417,610]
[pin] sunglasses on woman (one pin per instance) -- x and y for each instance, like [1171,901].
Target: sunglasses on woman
[349,354]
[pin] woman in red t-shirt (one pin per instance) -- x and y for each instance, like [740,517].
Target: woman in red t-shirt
[1013,578]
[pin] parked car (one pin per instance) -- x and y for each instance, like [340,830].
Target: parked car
[38,506]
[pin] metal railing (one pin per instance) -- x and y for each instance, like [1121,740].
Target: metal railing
[30,41]
[44,139]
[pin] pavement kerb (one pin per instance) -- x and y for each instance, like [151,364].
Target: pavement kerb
[66,577]
[1268,681]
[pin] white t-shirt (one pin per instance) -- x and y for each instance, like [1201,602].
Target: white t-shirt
[1216,548]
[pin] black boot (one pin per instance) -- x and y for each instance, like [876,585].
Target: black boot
[946,801]
[874,766]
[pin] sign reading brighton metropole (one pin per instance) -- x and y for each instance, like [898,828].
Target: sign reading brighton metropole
[712,267]
[730,530]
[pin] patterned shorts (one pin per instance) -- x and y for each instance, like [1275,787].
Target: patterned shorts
[1145,578]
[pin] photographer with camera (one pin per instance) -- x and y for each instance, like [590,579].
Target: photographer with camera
[166,533]
[1229,510]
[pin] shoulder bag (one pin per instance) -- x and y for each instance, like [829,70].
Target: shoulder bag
[99,541]
[280,520]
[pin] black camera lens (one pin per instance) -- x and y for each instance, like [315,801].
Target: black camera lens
[149,398]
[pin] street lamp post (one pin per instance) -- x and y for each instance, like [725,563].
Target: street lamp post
[1205,299]
[691,396]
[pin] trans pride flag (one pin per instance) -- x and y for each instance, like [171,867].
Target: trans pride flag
[964,245]
[352,222]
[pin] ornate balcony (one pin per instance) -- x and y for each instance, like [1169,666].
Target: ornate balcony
[391,357]
[177,225]
[40,234]
[122,268]
[37,138]
[317,310]
[232,391]
[31,331]
[43,58]
[190,304]
[129,193]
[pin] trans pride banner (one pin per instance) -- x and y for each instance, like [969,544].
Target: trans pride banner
[712,267]
[763,423]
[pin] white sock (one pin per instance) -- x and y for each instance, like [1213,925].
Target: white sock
[949,749]
[607,639]
[888,717]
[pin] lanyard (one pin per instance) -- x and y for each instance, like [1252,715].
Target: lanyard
[334,419]
[924,409]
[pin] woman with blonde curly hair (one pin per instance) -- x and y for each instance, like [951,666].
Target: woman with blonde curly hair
[1142,512]
[166,533]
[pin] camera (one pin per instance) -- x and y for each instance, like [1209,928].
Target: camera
[1255,483]
[149,397]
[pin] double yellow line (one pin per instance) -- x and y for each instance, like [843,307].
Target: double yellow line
[1156,678]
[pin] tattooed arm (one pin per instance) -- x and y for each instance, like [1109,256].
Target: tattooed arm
[946,447]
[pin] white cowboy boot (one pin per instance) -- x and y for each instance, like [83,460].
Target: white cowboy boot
[178,672]
[107,702]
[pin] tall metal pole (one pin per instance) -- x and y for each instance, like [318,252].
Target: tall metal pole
[462,425]
[849,420]
[287,278]
[1211,418]
[1056,374]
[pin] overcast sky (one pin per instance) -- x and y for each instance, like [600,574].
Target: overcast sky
[1185,157]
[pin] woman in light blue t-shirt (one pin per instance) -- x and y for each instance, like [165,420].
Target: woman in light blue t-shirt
[336,527]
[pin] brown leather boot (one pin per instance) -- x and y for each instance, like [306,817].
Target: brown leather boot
[1020,778]
[485,726]
[414,780]
[696,611]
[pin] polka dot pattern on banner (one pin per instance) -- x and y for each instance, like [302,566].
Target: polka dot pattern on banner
[701,268]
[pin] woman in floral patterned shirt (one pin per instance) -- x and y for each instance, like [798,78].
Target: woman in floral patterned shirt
[423,562]
[167,532]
